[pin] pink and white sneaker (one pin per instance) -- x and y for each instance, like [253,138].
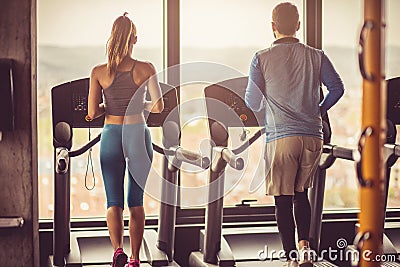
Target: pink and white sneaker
[119,258]
[134,263]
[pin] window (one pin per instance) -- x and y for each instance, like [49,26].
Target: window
[229,35]
[392,71]
[72,38]
[340,43]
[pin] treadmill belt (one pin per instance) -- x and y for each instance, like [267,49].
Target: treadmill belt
[277,263]
[98,250]
[108,265]
[390,264]
[324,264]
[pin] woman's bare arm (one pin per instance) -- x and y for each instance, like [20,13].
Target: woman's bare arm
[156,105]
[95,105]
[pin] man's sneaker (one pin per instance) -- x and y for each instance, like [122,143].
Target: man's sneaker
[306,257]
[291,263]
[134,263]
[120,258]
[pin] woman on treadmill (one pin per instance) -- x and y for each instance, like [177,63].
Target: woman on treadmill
[122,82]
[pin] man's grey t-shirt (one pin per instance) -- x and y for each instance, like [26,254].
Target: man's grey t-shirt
[287,78]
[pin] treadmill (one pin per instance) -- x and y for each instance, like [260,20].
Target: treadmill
[391,237]
[93,248]
[391,152]
[237,246]
[333,152]
[317,193]
[169,185]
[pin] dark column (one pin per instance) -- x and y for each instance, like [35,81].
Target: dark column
[18,148]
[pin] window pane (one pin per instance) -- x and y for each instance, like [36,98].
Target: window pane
[393,70]
[230,34]
[72,37]
[340,42]
[227,34]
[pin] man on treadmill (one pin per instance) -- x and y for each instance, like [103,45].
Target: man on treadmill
[286,77]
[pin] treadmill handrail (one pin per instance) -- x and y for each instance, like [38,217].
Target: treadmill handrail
[343,153]
[393,149]
[80,151]
[234,161]
[339,152]
[191,157]
[182,154]
[333,152]
[245,145]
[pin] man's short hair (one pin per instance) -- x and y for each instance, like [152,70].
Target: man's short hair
[286,17]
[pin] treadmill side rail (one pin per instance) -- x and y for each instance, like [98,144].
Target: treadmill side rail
[155,256]
[74,257]
[225,255]
[196,260]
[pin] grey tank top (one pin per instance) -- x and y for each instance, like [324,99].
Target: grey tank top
[124,92]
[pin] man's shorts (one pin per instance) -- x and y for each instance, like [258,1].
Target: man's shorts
[291,163]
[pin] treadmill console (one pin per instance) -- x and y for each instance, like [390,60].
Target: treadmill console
[69,104]
[393,100]
[225,103]
[170,111]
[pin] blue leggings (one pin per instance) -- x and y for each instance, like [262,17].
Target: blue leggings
[117,148]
